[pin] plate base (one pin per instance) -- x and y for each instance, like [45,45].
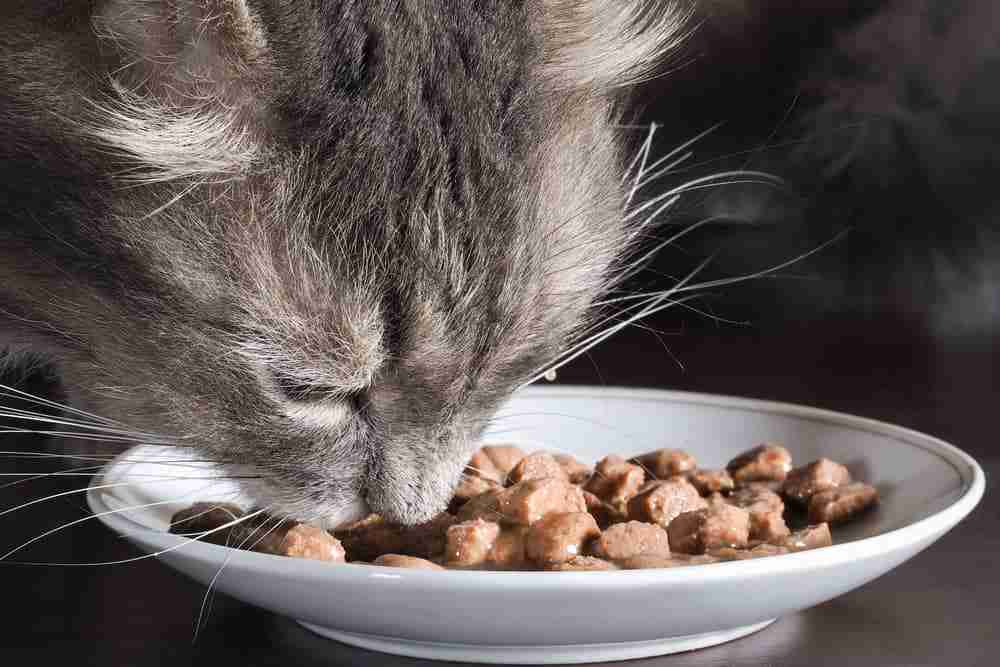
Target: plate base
[537,655]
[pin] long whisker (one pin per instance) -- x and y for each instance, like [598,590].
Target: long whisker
[640,263]
[67,473]
[79,521]
[86,436]
[18,413]
[647,146]
[651,306]
[53,404]
[191,464]
[764,272]
[63,494]
[205,602]
[99,429]
[764,178]
[155,554]
[31,477]
[684,146]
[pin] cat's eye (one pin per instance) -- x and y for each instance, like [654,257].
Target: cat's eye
[297,391]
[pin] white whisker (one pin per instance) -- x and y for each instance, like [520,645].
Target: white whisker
[53,404]
[653,305]
[640,263]
[763,272]
[646,147]
[79,521]
[63,494]
[100,429]
[155,554]
[203,613]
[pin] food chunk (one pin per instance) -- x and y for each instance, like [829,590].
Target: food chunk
[841,503]
[508,550]
[603,513]
[773,485]
[260,532]
[820,475]
[484,506]
[757,498]
[627,540]
[204,517]
[409,562]
[711,481]
[469,543]
[530,500]
[537,465]
[494,462]
[665,463]
[768,462]
[660,502]
[577,472]
[581,564]
[472,486]
[768,527]
[812,537]
[767,522]
[615,481]
[305,541]
[560,537]
[715,527]
[366,540]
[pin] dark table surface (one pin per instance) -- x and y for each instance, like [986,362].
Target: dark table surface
[939,608]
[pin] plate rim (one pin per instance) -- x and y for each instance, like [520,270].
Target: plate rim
[972,476]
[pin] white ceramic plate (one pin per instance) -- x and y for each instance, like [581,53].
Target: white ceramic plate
[927,486]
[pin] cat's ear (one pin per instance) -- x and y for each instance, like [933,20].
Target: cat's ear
[604,44]
[187,78]
[184,48]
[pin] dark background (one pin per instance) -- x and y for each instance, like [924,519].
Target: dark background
[880,116]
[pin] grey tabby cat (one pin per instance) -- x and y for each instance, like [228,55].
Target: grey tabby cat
[317,240]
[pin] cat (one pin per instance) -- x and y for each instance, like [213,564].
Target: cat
[317,242]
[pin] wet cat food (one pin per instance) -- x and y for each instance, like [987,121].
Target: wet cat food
[665,463]
[550,512]
[661,502]
[257,533]
[769,462]
[560,537]
[615,481]
[841,503]
[634,538]
[538,465]
[714,527]
[711,481]
[820,475]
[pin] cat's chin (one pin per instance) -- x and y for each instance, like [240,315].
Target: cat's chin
[326,515]
[344,515]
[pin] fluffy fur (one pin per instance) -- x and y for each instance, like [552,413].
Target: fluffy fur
[321,241]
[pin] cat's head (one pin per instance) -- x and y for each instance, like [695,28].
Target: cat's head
[321,242]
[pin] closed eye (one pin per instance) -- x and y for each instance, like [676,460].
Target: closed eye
[297,391]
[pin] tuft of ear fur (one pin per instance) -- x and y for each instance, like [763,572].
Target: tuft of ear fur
[175,45]
[189,76]
[605,44]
